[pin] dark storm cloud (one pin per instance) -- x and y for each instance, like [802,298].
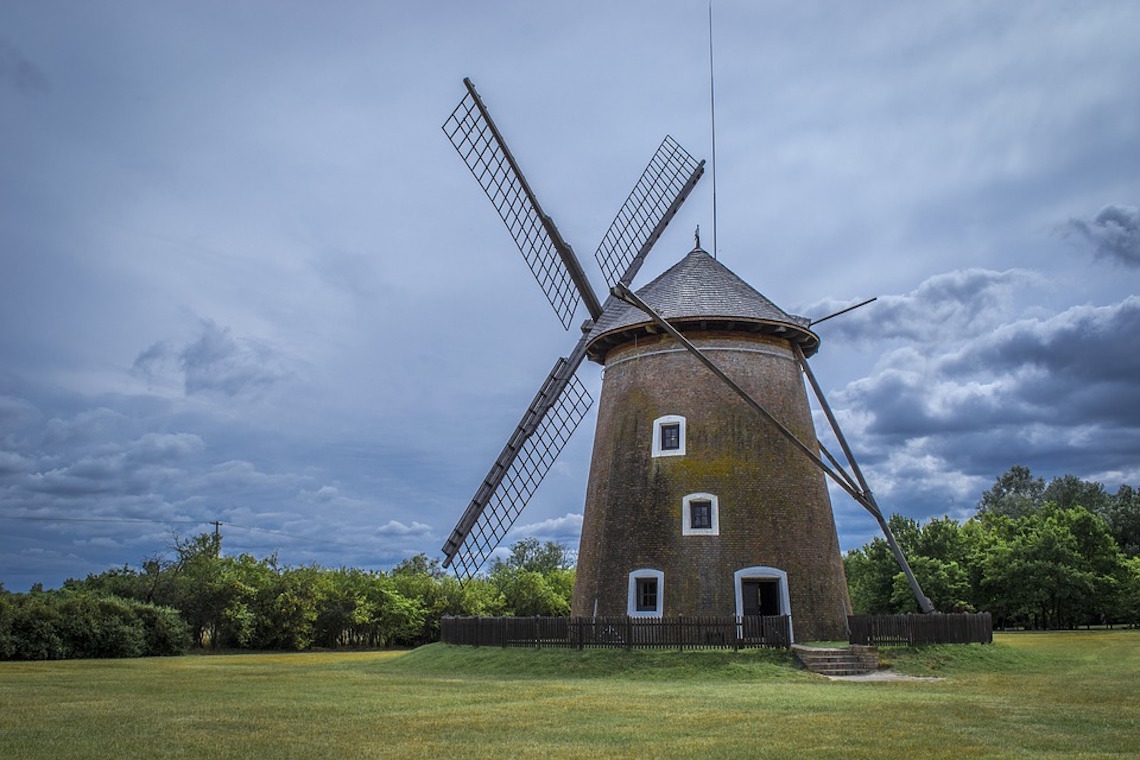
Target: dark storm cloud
[1114,233]
[150,361]
[964,302]
[1080,366]
[95,478]
[12,463]
[936,422]
[17,415]
[217,362]
[78,471]
[1076,368]
[17,72]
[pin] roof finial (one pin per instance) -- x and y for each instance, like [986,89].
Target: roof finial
[697,236]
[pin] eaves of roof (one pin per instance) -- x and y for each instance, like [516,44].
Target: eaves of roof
[698,293]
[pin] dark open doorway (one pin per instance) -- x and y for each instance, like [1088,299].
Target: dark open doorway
[760,596]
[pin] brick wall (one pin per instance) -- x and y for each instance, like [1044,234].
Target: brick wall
[774,508]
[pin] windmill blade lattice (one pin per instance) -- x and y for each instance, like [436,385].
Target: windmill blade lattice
[561,404]
[474,135]
[562,401]
[664,185]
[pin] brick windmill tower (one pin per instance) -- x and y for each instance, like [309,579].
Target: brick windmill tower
[707,493]
[694,506]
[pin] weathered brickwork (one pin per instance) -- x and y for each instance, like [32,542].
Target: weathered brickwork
[774,508]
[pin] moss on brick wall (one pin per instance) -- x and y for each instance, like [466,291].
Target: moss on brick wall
[774,508]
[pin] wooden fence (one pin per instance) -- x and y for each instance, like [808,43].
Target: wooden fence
[909,630]
[620,632]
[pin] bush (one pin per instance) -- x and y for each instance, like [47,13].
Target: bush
[62,625]
[166,632]
[100,627]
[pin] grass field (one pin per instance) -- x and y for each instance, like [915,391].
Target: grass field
[1028,695]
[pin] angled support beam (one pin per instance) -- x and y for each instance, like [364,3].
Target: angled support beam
[625,294]
[861,495]
[815,322]
[868,500]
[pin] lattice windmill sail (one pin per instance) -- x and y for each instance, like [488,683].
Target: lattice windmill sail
[562,401]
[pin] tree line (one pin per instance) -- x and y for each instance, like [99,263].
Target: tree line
[199,597]
[1036,555]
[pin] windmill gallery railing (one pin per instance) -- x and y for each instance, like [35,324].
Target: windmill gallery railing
[749,632]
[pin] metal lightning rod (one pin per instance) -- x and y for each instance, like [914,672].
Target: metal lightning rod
[712,115]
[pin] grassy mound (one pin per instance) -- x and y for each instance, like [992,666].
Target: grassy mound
[952,659]
[639,664]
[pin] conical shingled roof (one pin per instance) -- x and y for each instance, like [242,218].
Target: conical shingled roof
[698,293]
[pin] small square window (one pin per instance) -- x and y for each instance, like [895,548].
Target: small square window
[668,436]
[700,515]
[646,594]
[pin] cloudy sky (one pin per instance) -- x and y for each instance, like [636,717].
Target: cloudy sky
[247,279]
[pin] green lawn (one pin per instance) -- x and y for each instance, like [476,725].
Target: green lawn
[1028,695]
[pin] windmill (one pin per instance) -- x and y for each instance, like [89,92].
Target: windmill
[692,508]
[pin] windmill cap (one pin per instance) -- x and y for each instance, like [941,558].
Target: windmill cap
[698,293]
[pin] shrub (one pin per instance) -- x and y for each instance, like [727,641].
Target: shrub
[60,625]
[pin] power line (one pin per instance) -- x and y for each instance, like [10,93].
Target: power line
[216,523]
[34,518]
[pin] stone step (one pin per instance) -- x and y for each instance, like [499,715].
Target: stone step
[854,660]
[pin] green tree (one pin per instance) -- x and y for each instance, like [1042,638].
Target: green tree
[1129,609]
[527,592]
[1070,491]
[938,553]
[1123,516]
[945,583]
[422,579]
[1015,493]
[1059,568]
[870,577]
[531,555]
[535,579]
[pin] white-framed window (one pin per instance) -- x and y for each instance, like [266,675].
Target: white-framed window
[669,436]
[700,515]
[646,593]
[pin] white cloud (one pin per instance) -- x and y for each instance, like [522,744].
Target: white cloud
[397,528]
[565,529]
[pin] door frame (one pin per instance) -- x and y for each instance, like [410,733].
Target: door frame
[763,573]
